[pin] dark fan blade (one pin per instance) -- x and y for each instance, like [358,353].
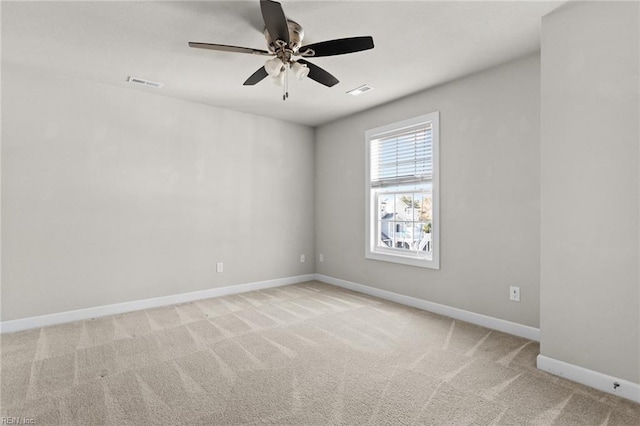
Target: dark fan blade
[225,48]
[337,47]
[318,74]
[256,77]
[274,20]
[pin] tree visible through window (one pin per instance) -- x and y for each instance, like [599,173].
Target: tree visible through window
[402,192]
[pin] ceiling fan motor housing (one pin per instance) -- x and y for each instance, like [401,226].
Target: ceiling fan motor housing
[296,34]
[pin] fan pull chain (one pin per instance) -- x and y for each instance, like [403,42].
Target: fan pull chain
[285,88]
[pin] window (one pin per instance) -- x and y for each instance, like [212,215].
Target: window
[402,192]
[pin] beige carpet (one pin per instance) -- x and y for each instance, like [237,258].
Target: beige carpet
[304,354]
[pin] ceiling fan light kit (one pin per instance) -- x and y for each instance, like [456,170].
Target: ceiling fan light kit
[284,41]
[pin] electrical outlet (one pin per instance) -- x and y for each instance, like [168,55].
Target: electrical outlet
[219,267]
[514,293]
[321,258]
[302,259]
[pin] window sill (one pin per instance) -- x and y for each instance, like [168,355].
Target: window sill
[404,260]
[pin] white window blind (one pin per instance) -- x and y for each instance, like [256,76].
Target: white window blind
[402,157]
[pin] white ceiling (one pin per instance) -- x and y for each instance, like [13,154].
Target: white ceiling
[419,44]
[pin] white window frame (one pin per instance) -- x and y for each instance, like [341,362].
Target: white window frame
[372,251]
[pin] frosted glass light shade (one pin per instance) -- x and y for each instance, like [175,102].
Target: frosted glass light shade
[300,70]
[273,67]
[278,79]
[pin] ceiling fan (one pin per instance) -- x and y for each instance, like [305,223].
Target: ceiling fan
[284,40]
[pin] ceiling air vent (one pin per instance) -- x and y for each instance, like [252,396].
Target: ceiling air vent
[360,90]
[143,82]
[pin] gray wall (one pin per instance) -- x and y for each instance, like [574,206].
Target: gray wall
[489,153]
[112,195]
[590,300]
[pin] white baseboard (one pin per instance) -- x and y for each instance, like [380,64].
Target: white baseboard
[119,308]
[509,327]
[136,305]
[594,379]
